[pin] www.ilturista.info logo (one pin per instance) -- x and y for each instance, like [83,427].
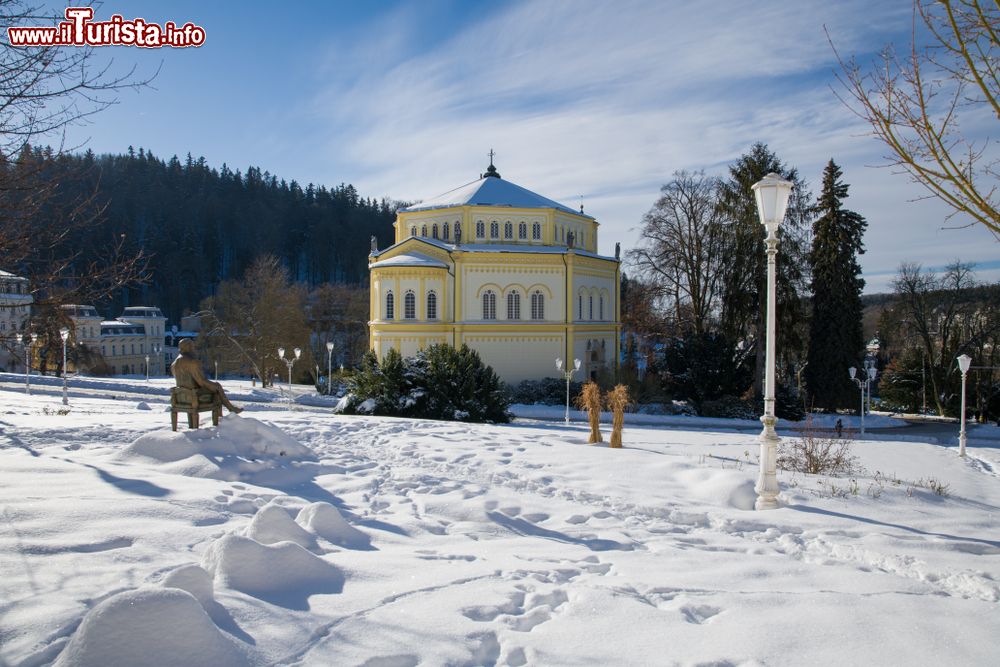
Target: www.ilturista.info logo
[80,30]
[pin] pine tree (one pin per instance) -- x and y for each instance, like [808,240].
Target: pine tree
[835,334]
[744,263]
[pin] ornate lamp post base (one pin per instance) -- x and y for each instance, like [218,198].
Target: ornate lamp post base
[767,480]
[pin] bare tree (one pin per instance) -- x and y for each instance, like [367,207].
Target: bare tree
[255,316]
[936,311]
[50,220]
[923,103]
[339,314]
[680,248]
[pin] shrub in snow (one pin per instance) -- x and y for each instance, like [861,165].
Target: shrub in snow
[283,573]
[165,626]
[439,382]
[272,523]
[817,454]
[193,579]
[325,521]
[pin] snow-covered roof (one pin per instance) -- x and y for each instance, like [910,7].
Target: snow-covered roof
[477,247]
[7,274]
[410,259]
[491,191]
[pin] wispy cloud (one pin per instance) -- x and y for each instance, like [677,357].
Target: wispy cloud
[606,100]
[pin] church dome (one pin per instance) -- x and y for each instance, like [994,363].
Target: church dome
[491,190]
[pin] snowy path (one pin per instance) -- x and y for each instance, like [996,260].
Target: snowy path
[506,545]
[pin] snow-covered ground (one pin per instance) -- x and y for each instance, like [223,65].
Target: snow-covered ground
[295,536]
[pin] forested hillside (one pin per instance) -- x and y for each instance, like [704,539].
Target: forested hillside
[199,225]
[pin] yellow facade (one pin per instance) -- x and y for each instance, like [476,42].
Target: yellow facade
[517,293]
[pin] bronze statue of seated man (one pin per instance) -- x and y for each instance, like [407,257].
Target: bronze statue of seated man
[187,374]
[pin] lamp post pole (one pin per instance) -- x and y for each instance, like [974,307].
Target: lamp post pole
[771,194]
[29,344]
[329,367]
[64,334]
[290,361]
[568,374]
[963,365]
[147,368]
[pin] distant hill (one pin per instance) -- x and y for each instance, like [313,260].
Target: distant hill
[201,225]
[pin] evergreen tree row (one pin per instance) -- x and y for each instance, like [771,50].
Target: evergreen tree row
[200,226]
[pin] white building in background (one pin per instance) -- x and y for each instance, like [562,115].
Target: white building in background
[126,342]
[15,312]
[514,275]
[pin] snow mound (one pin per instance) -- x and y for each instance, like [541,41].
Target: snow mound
[272,523]
[235,449]
[193,579]
[283,573]
[324,520]
[142,405]
[164,625]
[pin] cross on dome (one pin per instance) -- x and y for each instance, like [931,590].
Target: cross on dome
[491,171]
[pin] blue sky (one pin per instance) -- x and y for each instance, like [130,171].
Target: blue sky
[599,100]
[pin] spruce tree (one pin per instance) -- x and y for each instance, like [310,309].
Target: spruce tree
[835,335]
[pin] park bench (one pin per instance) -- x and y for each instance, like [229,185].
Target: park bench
[193,402]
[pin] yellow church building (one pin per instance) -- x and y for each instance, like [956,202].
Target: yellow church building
[512,274]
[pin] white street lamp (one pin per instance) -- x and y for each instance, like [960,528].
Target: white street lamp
[864,383]
[64,334]
[772,193]
[29,344]
[963,365]
[329,367]
[871,366]
[568,374]
[290,361]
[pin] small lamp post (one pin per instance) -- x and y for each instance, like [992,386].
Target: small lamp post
[290,361]
[963,365]
[64,334]
[864,383]
[771,193]
[147,367]
[29,344]
[329,367]
[871,366]
[568,374]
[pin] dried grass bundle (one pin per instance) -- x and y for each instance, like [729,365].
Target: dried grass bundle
[617,400]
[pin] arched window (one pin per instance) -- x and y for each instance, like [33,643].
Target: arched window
[489,305]
[513,306]
[591,307]
[432,304]
[602,308]
[458,233]
[536,231]
[537,306]
[390,306]
[508,230]
[579,303]
[423,231]
[434,230]
[444,231]
[413,231]
[480,230]
[409,305]
[494,230]
[522,231]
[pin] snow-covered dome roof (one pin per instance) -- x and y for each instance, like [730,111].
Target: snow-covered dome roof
[491,190]
[410,259]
